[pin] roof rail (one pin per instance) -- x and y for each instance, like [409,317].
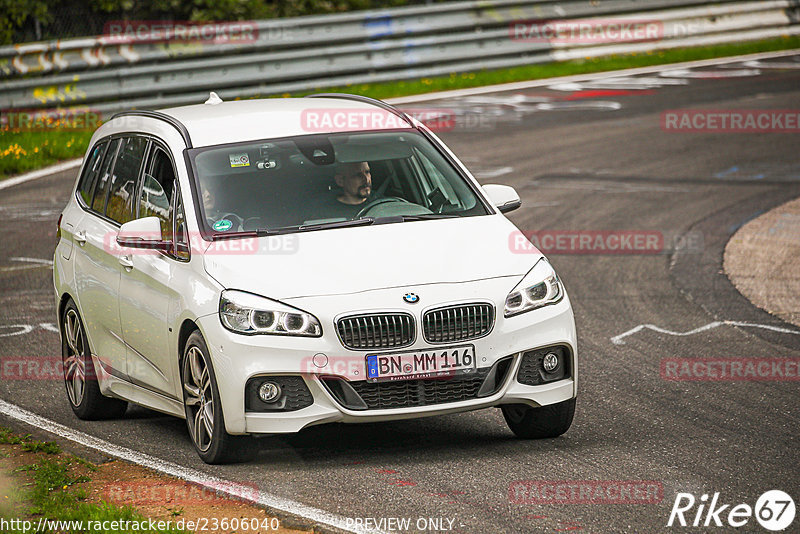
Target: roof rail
[366,100]
[172,121]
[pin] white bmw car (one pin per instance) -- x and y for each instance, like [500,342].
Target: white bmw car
[258,267]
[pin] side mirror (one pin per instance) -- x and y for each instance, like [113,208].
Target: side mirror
[143,233]
[504,197]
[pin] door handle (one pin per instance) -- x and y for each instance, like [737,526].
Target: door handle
[80,237]
[126,262]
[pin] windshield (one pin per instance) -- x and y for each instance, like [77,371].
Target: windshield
[327,180]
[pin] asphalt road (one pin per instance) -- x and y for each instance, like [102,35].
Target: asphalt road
[589,158]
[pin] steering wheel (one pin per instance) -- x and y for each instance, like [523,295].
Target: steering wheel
[377,202]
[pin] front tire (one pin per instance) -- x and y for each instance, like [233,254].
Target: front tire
[80,376]
[539,423]
[201,401]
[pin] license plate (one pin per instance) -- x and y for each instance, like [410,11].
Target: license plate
[427,363]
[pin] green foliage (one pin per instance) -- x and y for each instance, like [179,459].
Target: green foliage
[28,444]
[7,437]
[73,18]
[22,151]
[56,494]
[48,447]
[15,13]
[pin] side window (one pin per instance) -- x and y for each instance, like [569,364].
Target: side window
[155,198]
[123,181]
[442,193]
[100,190]
[90,172]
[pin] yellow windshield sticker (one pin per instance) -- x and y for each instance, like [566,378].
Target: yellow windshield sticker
[239,160]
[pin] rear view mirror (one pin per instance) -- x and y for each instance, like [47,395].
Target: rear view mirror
[143,233]
[503,197]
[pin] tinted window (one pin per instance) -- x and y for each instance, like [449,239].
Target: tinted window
[90,172]
[99,201]
[123,181]
[309,180]
[155,198]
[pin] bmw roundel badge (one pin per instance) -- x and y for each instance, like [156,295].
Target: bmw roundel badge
[411,298]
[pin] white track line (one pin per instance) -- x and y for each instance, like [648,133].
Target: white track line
[41,173]
[214,484]
[618,340]
[516,86]
[33,260]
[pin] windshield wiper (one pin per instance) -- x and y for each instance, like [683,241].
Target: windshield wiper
[405,218]
[364,221]
[427,216]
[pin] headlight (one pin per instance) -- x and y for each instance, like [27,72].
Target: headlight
[246,313]
[538,288]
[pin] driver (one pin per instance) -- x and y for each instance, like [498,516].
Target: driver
[215,217]
[355,181]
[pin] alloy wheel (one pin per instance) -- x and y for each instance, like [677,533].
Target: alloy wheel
[74,359]
[199,398]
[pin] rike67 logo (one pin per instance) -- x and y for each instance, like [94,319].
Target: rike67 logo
[774,510]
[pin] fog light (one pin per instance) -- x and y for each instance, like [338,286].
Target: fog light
[549,362]
[269,392]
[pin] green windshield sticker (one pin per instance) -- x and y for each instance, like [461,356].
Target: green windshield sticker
[222,225]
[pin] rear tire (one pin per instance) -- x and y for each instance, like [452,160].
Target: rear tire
[80,376]
[538,423]
[204,418]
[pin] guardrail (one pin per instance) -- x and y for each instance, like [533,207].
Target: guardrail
[109,73]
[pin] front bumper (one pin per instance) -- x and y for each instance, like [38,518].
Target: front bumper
[237,358]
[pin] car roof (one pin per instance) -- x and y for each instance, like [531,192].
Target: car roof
[249,120]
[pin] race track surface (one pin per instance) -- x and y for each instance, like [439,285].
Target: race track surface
[587,157]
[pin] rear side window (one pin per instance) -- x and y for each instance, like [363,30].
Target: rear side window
[90,172]
[123,180]
[100,190]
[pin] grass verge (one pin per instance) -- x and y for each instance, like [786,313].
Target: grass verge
[41,485]
[51,485]
[22,151]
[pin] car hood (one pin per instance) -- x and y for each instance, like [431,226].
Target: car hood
[356,259]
